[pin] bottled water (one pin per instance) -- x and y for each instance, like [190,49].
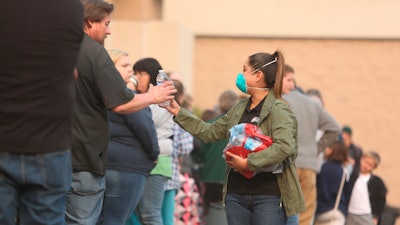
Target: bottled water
[161,78]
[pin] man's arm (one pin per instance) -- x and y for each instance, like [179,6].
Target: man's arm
[155,95]
[330,128]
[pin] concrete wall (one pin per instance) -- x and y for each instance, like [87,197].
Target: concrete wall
[171,44]
[285,18]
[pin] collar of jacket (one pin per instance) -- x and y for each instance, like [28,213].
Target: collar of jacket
[267,105]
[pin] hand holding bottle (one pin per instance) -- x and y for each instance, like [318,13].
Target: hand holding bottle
[161,78]
[173,107]
[162,93]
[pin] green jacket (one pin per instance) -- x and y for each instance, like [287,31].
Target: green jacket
[276,121]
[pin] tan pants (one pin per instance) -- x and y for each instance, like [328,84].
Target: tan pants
[308,182]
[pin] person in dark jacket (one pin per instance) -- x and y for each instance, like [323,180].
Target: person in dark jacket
[329,185]
[132,152]
[367,193]
[355,151]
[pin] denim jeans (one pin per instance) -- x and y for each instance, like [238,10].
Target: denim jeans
[254,210]
[133,220]
[123,192]
[216,214]
[85,199]
[293,220]
[149,208]
[35,186]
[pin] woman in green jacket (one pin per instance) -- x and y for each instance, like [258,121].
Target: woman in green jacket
[270,196]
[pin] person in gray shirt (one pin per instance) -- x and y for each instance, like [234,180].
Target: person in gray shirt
[311,117]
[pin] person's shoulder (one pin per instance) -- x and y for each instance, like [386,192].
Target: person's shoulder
[87,41]
[90,46]
[332,166]
[296,97]
[356,147]
[294,94]
[281,109]
[376,179]
[377,183]
[280,104]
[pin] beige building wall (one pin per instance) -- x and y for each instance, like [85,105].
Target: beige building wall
[285,18]
[171,44]
[137,28]
[349,50]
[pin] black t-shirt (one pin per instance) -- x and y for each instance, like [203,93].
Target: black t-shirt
[264,183]
[99,87]
[39,47]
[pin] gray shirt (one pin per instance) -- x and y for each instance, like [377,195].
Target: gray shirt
[311,117]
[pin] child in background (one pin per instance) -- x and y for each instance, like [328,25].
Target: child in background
[368,193]
[329,184]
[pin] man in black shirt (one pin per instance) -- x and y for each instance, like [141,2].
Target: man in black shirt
[39,49]
[99,88]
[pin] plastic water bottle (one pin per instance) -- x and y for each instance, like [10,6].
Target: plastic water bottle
[161,78]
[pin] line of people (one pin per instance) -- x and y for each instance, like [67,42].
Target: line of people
[63,114]
[143,174]
[323,160]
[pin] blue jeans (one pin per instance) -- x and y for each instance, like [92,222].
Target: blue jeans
[34,186]
[216,214]
[293,220]
[123,192]
[254,210]
[133,220]
[85,199]
[149,208]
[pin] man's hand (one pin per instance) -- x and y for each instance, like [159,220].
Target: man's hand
[163,92]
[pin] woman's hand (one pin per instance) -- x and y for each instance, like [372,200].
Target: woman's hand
[236,162]
[173,107]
